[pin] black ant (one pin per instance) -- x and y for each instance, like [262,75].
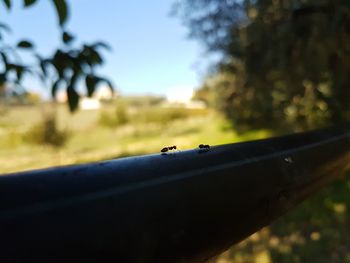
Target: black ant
[165,149]
[204,146]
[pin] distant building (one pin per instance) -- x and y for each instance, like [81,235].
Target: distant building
[89,104]
[183,96]
[104,93]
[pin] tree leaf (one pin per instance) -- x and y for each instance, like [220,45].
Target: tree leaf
[95,57]
[73,98]
[4,58]
[7,3]
[54,88]
[67,38]
[43,63]
[24,44]
[109,84]
[29,2]
[3,79]
[19,72]
[91,82]
[90,56]
[5,27]
[101,44]
[62,62]
[62,10]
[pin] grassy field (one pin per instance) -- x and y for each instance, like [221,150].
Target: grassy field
[90,141]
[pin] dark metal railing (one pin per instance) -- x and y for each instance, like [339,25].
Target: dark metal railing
[184,206]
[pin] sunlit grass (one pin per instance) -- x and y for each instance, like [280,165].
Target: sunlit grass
[92,142]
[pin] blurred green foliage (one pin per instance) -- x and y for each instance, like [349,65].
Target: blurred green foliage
[143,101]
[66,68]
[121,114]
[161,116]
[89,140]
[316,231]
[145,110]
[107,119]
[47,133]
[285,64]
[118,118]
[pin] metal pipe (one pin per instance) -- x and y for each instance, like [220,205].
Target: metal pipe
[182,206]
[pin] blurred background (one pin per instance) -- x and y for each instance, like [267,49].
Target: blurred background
[83,81]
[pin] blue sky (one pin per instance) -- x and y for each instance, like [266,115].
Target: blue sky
[151,50]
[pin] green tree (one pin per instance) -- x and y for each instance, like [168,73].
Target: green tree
[65,68]
[288,60]
[285,65]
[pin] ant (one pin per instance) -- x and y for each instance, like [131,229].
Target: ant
[204,146]
[165,149]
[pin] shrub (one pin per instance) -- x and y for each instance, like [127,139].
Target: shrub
[121,114]
[120,117]
[161,115]
[47,133]
[107,119]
